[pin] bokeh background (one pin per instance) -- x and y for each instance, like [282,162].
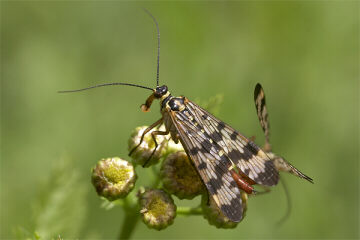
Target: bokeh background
[305,54]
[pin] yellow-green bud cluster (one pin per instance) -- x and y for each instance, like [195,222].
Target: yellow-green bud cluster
[179,176]
[113,178]
[157,208]
[173,147]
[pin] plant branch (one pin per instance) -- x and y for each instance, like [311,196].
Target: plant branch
[189,211]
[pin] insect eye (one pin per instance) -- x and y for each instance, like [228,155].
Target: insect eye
[164,89]
[160,91]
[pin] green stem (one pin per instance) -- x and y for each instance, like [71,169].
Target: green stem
[131,210]
[131,216]
[130,221]
[189,211]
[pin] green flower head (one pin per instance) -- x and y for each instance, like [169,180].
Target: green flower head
[113,178]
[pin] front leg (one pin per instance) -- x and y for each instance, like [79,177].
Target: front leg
[158,122]
[153,135]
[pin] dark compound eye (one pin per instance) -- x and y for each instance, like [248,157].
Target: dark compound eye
[160,91]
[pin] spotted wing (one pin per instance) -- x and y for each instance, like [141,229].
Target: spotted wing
[262,113]
[234,147]
[211,168]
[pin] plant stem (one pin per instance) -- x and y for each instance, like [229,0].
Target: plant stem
[131,210]
[129,224]
[189,211]
[131,216]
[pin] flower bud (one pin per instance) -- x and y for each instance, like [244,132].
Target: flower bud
[113,178]
[143,152]
[179,176]
[173,147]
[157,208]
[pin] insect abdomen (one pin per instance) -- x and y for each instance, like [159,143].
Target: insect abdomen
[242,184]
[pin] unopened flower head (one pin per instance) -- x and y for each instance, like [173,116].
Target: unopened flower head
[173,147]
[157,208]
[143,152]
[113,178]
[215,216]
[180,177]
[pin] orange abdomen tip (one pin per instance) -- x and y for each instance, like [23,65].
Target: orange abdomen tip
[242,184]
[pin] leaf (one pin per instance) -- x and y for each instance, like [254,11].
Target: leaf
[61,209]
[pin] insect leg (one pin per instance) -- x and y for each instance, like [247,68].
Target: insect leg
[158,122]
[288,200]
[288,203]
[265,190]
[153,135]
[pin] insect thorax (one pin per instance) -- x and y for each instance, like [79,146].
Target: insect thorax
[170,103]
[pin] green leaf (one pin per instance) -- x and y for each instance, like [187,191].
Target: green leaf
[61,209]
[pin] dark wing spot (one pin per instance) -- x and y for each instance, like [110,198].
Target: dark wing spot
[202,166]
[204,116]
[215,184]
[194,151]
[228,210]
[234,154]
[257,90]
[219,170]
[224,158]
[252,148]
[221,126]
[262,103]
[216,137]
[269,176]
[233,136]
[207,145]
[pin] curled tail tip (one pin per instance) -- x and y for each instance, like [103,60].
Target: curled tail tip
[309,179]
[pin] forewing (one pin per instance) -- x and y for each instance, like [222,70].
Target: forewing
[228,143]
[262,113]
[211,168]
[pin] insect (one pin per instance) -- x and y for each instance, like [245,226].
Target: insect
[280,163]
[226,161]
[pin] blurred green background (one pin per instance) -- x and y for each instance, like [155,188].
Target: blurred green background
[304,53]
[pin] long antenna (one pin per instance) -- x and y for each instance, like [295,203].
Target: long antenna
[129,84]
[158,38]
[103,85]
